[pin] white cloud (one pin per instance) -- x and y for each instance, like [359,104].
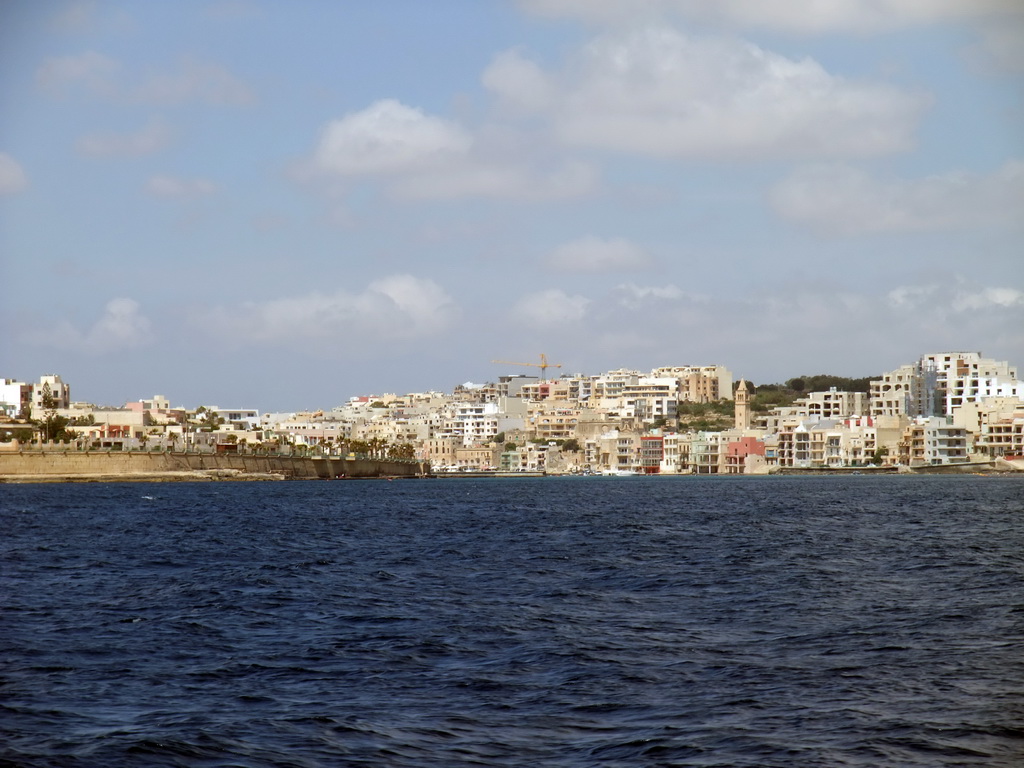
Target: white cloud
[835,327]
[122,326]
[635,296]
[90,71]
[656,91]
[183,189]
[12,176]
[848,200]
[811,16]
[593,254]
[388,137]
[151,138]
[550,309]
[394,308]
[425,157]
[518,81]
[986,298]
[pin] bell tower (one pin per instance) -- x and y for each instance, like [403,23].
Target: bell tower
[742,405]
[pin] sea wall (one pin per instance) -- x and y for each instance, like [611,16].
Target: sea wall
[75,464]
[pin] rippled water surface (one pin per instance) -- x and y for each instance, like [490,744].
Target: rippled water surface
[824,621]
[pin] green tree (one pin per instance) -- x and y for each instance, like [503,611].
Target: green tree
[403,451]
[208,419]
[53,426]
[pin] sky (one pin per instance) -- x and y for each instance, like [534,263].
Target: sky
[282,205]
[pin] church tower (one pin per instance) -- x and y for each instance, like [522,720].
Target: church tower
[742,405]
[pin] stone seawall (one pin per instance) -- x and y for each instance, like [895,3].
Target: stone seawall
[114,465]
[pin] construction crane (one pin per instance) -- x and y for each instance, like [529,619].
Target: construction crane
[543,364]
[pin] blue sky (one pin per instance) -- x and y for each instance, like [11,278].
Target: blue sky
[281,205]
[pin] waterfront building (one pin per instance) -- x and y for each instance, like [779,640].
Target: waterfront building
[652,453]
[707,453]
[931,441]
[1003,437]
[744,455]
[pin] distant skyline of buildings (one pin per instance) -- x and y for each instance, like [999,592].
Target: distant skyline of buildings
[943,408]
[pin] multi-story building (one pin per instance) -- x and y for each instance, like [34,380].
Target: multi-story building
[938,384]
[15,397]
[439,451]
[609,386]
[1002,438]
[742,454]
[613,451]
[652,453]
[551,420]
[910,391]
[706,455]
[964,377]
[473,423]
[932,440]
[650,398]
[238,418]
[59,392]
[699,383]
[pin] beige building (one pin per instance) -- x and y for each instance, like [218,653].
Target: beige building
[700,383]
[931,441]
[59,392]
[551,420]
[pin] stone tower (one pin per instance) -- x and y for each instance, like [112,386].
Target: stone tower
[742,405]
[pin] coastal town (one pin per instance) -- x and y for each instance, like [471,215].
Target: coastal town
[943,409]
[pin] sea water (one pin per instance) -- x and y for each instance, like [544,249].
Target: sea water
[774,621]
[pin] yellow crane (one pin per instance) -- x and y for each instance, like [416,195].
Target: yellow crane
[543,364]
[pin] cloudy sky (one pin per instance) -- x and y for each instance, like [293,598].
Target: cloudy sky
[279,205]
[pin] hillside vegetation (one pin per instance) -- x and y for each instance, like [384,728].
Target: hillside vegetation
[721,414]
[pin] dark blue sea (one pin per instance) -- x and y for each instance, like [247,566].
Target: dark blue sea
[823,621]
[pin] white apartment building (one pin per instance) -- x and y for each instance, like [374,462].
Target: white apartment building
[964,377]
[311,429]
[938,384]
[473,423]
[652,397]
[816,406]
[609,386]
[238,418]
[14,396]
[932,440]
